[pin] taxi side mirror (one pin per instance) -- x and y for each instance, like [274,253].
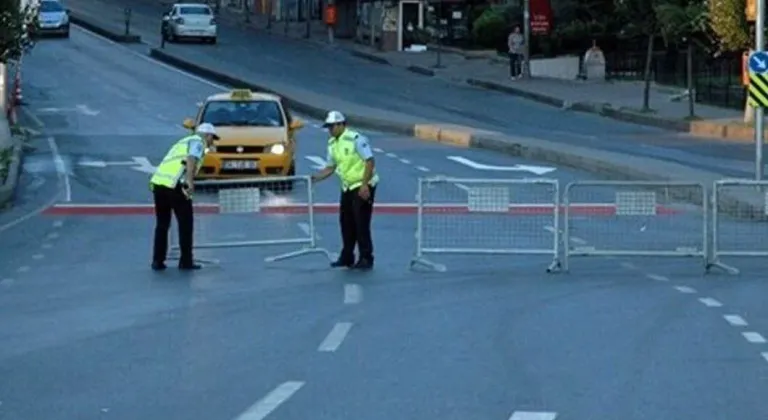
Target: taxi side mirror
[296,124]
[189,124]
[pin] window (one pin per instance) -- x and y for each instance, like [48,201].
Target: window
[195,10]
[51,6]
[259,113]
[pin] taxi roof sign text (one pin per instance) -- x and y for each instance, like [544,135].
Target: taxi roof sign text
[241,94]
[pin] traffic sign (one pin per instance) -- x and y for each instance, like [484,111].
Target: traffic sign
[758,62]
[758,90]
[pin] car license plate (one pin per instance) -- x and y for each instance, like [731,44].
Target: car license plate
[240,164]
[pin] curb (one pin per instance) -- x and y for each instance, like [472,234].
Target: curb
[370,57]
[298,105]
[604,110]
[106,33]
[8,189]
[421,70]
[609,164]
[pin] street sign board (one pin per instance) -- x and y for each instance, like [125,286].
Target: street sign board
[758,79]
[758,62]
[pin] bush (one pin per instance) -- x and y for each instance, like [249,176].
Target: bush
[492,27]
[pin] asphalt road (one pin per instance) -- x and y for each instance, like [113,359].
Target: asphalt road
[274,60]
[89,332]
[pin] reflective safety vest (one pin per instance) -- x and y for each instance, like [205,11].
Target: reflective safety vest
[350,166]
[170,170]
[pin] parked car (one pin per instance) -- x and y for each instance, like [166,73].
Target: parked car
[189,21]
[52,19]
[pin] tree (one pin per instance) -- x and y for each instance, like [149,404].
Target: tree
[14,21]
[729,23]
[640,16]
[684,21]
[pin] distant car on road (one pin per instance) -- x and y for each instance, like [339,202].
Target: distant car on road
[189,21]
[258,135]
[52,19]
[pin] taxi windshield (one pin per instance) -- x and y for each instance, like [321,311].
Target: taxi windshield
[264,113]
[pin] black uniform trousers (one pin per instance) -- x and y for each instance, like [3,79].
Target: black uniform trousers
[355,219]
[167,201]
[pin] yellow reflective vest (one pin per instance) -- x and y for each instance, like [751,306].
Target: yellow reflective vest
[350,166]
[171,169]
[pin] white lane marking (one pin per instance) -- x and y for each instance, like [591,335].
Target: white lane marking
[579,241]
[61,169]
[319,163]
[38,256]
[422,169]
[405,161]
[735,320]
[377,150]
[754,337]
[685,289]
[629,266]
[392,155]
[712,303]
[53,235]
[462,186]
[6,282]
[530,415]
[765,355]
[271,401]
[353,294]
[58,223]
[334,338]
[23,269]
[656,277]
[46,246]
[305,228]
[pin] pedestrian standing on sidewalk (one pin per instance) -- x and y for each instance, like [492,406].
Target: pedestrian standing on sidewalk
[515,43]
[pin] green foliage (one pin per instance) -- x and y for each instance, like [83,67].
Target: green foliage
[494,24]
[682,21]
[13,29]
[639,17]
[729,24]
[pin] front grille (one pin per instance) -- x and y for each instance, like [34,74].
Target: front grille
[246,149]
[240,172]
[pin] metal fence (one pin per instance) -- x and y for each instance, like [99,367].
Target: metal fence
[229,215]
[487,216]
[739,221]
[635,219]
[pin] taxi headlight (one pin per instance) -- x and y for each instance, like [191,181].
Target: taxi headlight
[277,149]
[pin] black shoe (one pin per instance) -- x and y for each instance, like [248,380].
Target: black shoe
[363,264]
[158,266]
[342,263]
[190,266]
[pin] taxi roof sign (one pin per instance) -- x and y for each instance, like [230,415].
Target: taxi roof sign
[241,94]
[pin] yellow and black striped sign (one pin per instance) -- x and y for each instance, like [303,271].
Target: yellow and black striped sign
[758,90]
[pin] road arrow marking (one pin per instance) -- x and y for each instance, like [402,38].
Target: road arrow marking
[319,163]
[103,164]
[538,170]
[143,165]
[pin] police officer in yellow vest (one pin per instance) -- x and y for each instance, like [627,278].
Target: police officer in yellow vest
[350,156]
[172,186]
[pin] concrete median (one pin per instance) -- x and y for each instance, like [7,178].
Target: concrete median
[10,153]
[609,165]
[114,34]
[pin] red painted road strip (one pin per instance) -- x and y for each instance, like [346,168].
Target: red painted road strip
[579,209]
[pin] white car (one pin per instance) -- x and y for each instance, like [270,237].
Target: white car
[189,20]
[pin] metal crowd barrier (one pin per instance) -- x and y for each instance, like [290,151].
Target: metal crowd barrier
[463,216]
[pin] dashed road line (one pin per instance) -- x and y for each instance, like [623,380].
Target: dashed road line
[58,224]
[405,161]
[334,338]
[754,337]
[422,168]
[271,401]
[23,269]
[531,415]
[712,303]
[353,294]
[656,277]
[765,355]
[735,320]
[377,150]
[6,282]
[38,256]
[46,246]
[53,235]
[391,155]
[629,265]
[685,289]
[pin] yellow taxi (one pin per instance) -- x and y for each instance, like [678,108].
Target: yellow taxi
[257,135]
